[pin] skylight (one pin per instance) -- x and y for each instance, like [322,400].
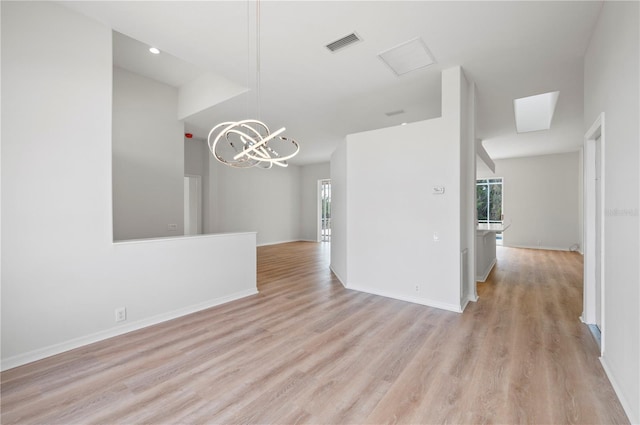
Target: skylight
[535,113]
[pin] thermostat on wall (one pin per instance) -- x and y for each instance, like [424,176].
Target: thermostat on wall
[438,190]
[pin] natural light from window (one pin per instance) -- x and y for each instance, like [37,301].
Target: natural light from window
[535,113]
[489,203]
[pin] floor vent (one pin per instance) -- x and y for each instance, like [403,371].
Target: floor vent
[344,42]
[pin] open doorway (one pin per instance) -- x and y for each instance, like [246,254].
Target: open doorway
[594,196]
[324,201]
[489,201]
[192,205]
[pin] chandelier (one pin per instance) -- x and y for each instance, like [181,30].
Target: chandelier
[250,143]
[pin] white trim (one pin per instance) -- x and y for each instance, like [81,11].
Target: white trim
[401,297]
[626,406]
[589,315]
[468,300]
[319,210]
[199,219]
[52,350]
[342,281]
[484,277]
[279,242]
[179,237]
[545,248]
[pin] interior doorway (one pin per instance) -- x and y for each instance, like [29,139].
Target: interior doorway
[598,233]
[594,248]
[192,205]
[324,197]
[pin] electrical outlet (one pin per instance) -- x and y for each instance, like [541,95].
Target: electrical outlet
[417,288]
[121,314]
[436,237]
[172,227]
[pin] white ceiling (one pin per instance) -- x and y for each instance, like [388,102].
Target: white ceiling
[509,49]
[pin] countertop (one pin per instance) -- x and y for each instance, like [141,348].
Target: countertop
[484,228]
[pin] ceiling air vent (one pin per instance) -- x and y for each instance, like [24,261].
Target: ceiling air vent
[344,42]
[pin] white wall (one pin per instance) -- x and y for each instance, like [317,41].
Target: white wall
[196,163]
[280,204]
[540,200]
[257,200]
[204,92]
[611,86]
[195,157]
[581,199]
[339,213]
[468,193]
[62,276]
[392,215]
[309,206]
[148,164]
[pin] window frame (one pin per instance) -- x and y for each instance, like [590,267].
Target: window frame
[488,181]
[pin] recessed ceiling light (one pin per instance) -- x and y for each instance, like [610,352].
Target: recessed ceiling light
[535,113]
[154,50]
[404,123]
[407,57]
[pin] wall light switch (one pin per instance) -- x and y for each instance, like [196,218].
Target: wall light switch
[436,237]
[438,190]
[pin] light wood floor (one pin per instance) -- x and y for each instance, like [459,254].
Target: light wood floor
[306,350]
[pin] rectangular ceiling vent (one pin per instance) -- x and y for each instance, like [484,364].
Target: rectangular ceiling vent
[344,42]
[407,57]
[392,113]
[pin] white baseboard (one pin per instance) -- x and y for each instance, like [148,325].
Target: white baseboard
[464,304]
[342,281]
[41,353]
[484,277]
[625,403]
[470,298]
[293,240]
[547,248]
[278,242]
[401,297]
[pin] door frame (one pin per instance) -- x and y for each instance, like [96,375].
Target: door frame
[596,131]
[319,209]
[198,180]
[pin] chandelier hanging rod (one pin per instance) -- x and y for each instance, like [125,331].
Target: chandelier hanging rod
[249,143]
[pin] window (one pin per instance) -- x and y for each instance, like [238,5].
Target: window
[489,200]
[325,213]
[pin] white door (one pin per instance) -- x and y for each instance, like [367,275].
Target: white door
[598,233]
[192,205]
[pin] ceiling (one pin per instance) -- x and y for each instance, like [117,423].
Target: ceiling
[509,49]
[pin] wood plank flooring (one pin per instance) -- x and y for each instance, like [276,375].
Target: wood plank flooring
[306,350]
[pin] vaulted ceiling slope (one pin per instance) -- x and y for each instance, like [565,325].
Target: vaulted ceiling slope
[509,49]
